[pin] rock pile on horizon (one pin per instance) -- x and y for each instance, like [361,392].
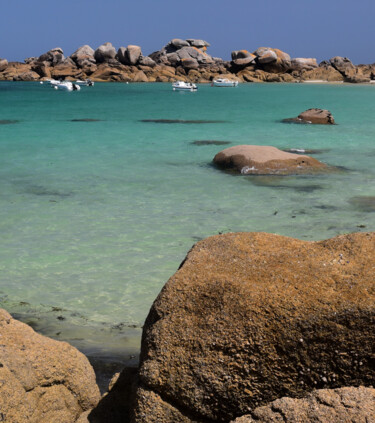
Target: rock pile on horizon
[186,60]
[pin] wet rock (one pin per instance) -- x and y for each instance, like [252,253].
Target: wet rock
[261,160]
[349,404]
[42,380]
[252,317]
[314,116]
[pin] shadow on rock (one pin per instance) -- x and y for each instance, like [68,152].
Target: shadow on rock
[115,406]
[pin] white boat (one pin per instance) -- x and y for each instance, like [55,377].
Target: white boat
[85,83]
[184,86]
[66,86]
[223,82]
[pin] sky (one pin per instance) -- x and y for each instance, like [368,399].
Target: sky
[321,28]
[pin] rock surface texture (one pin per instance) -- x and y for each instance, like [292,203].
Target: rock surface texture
[265,160]
[345,405]
[253,317]
[42,380]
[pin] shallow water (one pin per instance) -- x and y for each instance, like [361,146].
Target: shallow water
[98,207]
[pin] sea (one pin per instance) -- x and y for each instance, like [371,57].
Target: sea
[104,191]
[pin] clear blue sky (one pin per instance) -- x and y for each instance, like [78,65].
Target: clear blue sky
[319,28]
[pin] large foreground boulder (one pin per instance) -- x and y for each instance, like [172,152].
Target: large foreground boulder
[265,160]
[253,317]
[42,380]
[345,405]
[315,116]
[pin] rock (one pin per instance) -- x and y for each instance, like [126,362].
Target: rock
[105,53]
[262,160]
[322,73]
[265,55]
[140,77]
[299,63]
[272,59]
[54,56]
[146,61]
[178,43]
[64,71]
[251,317]
[3,64]
[314,116]
[324,405]
[242,57]
[26,76]
[342,64]
[133,53]
[198,43]
[84,56]
[42,380]
[129,55]
[189,63]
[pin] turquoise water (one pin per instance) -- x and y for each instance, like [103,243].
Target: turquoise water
[96,216]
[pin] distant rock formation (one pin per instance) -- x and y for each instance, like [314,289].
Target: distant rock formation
[42,380]
[265,160]
[252,317]
[186,60]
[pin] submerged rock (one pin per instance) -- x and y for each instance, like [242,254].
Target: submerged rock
[253,317]
[363,203]
[42,380]
[263,160]
[315,116]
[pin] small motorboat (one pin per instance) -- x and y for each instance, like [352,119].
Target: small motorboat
[66,86]
[224,82]
[85,83]
[184,86]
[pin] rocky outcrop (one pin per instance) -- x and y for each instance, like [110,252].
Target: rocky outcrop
[129,55]
[189,53]
[300,63]
[42,380]
[84,56]
[345,405]
[265,160]
[348,70]
[191,62]
[313,116]
[54,56]
[3,64]
[105,53]
[253,317]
